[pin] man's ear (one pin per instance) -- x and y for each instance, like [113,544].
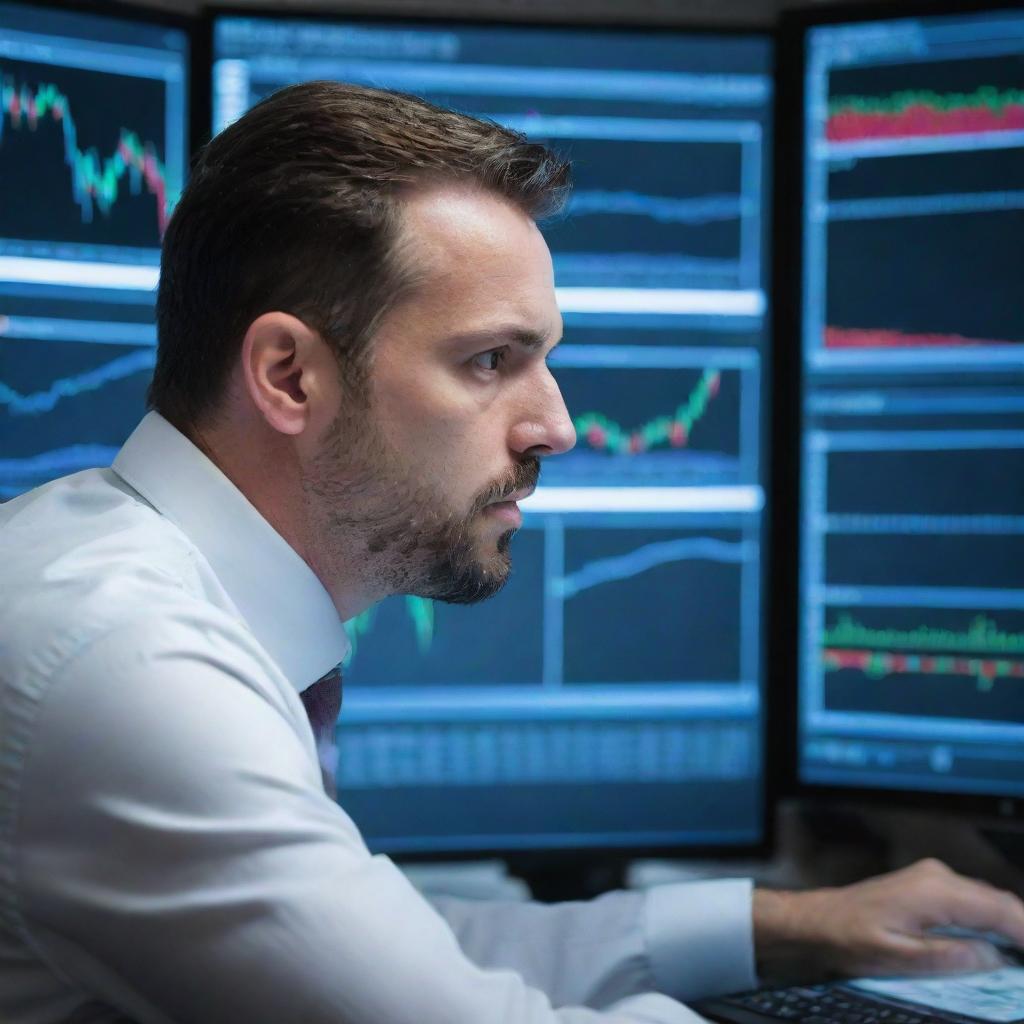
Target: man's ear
[284,366]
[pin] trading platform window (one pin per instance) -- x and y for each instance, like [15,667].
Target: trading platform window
[913,465]
[611,694]
[92,158]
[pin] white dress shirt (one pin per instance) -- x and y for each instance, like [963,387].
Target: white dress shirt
[167,851]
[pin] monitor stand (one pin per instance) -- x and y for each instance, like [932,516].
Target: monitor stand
[552,879]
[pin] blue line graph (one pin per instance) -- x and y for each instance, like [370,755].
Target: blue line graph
[58,461]
[664,209]
[924,206]
[622,567]
[47,328]
[67,387]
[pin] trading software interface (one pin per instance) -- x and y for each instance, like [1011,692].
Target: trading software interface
[912,672]
[92,156]
[611,692]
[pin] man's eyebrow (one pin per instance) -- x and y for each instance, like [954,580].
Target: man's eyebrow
[526,338]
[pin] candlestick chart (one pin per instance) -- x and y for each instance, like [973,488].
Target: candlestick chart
[93,144]
[637,425]
[604,434]
[937,663]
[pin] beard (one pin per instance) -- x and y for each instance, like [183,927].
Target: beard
[374,515]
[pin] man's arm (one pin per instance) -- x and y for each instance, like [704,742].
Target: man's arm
[883,926]
[178,858]
[692,940]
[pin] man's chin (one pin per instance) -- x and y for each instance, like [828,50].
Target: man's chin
[471,588]
[471,573]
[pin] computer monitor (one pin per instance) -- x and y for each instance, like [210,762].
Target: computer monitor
[911,610]
[93,151]
[610,697]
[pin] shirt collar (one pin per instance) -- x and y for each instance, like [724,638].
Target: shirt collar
[279,596]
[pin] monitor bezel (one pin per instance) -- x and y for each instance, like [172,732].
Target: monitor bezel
[567,859]
[787,472]
[123,10]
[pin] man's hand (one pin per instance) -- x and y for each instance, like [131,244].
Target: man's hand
[882,926]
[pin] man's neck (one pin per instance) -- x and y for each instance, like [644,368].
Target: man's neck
[265,468]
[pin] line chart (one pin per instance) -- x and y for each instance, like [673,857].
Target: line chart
[663,209]
[96,181]
[623,567]
[655,603]
[674,214]
[46,400]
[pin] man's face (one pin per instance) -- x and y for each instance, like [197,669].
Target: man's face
[415,487]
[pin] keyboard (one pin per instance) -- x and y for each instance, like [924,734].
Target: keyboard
[813,1004]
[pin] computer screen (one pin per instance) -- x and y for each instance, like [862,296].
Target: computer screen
[912,556]
[92,157]
[610,696]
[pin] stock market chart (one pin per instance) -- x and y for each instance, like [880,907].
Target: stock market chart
[626,649]
[92,161]
[913,461]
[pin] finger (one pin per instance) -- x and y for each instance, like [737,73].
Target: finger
[984,908]
[946,956]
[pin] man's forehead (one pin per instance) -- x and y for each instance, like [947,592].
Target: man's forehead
[481,268]
[446,224]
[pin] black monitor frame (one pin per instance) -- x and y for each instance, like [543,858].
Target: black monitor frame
[578,871]
[786,470]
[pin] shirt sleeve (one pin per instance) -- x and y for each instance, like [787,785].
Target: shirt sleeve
[691,940]
[701,937]
[179,860]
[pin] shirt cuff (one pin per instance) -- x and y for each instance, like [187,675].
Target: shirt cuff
[700,937]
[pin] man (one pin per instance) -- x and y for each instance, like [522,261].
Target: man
[351,395]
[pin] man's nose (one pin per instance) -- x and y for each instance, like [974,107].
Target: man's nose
[546,428]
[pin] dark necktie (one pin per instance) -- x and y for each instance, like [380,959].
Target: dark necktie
[322,702]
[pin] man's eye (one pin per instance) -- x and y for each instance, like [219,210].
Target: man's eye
[489,360]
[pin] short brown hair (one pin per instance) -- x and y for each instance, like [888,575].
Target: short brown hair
[295,208]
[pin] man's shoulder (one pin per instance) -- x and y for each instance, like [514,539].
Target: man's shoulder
[86,557]
[82,530]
